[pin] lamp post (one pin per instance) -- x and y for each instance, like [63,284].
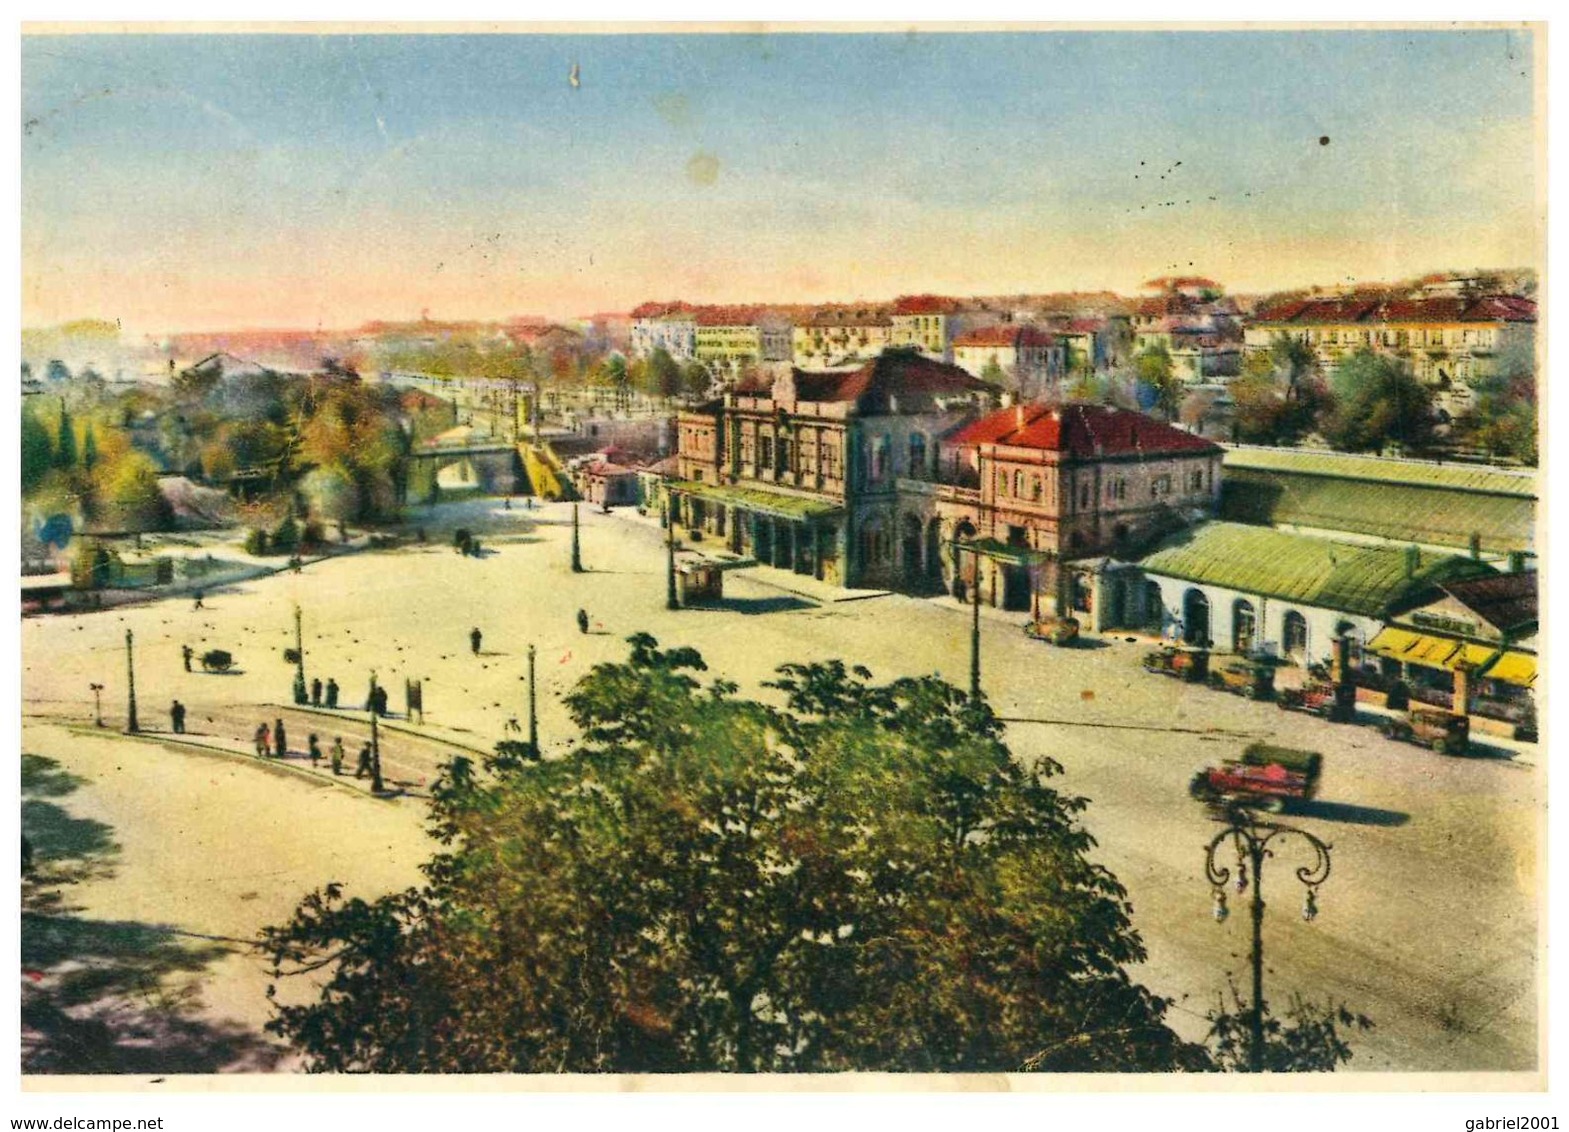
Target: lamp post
[533,718]
[300,695]
[131,727]
[98,708]
[577,556]
[671,601]
[1251,839]
[375,741]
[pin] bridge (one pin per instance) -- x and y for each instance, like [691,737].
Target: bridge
[483,467]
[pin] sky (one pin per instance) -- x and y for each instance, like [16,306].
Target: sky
[221,181]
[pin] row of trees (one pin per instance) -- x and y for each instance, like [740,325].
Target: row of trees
[862,879]
[79,467]
[1373,401]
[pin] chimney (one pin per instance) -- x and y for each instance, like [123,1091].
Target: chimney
[1018,415]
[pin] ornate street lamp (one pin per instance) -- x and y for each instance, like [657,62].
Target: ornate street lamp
[671,601]
[1251,839]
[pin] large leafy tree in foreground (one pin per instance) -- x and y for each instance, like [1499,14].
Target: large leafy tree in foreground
[863,878]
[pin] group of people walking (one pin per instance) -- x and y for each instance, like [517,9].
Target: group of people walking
[273,742]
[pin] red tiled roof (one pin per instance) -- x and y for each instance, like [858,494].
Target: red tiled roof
[1505,601]
[901,373]
[925,304]
[1488,308]
[1081,431]
[660,310]
[1006,334]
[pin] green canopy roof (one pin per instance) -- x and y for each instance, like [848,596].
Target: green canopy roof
[1403,512]
[1377,469]
[797,508]
[1367,580]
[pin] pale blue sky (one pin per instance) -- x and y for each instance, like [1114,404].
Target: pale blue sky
[303,180]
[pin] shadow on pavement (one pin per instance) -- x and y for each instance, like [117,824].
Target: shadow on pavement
[750,606]
[1351,814]
[103,996]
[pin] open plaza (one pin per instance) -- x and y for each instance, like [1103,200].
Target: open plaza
[172,851]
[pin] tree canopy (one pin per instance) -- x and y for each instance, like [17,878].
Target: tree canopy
[1378,401]
[863,878]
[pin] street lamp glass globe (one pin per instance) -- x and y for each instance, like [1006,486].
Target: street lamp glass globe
[1220,911]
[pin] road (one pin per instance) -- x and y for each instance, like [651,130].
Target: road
[1428,923]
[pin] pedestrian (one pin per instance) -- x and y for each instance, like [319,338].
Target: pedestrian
[199,604]
[280,741]
[316,692]
[582,621]
[332,693]
[363,768]
[475,637]
[177,717]
[507,504]
[337,754]
[378,702]
[187,652]
[315,751]
[263,741]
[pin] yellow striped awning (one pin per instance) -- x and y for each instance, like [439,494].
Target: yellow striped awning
[1416,648]
[1517,668]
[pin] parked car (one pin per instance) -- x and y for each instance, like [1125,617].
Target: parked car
[1054,630]
[1443,731]
[1316,697]
[1265,777]
[1254,679]
[1186,662]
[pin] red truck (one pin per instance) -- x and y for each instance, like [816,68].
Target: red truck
[1266,777]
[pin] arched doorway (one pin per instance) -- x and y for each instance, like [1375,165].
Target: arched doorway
[910,545]
[1195,618]
[934,553]
[1244,626]
[965,570]
[1294,636]
[1154,607]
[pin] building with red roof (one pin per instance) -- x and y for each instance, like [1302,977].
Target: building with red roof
[805,472]
[1044,493]
[1450,341]
[1023,358]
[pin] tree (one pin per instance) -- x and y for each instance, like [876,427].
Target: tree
[331,494]
[128,491]
[57,371]
[664,375]
[994,375]
[695,379]
[864,878]
[1503,420]
[1378,401]
[89,448]
[1156,374]
[37,453]
[65,441]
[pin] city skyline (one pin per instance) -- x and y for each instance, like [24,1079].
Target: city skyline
[324,181]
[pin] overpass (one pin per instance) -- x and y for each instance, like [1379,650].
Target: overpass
[492,468]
